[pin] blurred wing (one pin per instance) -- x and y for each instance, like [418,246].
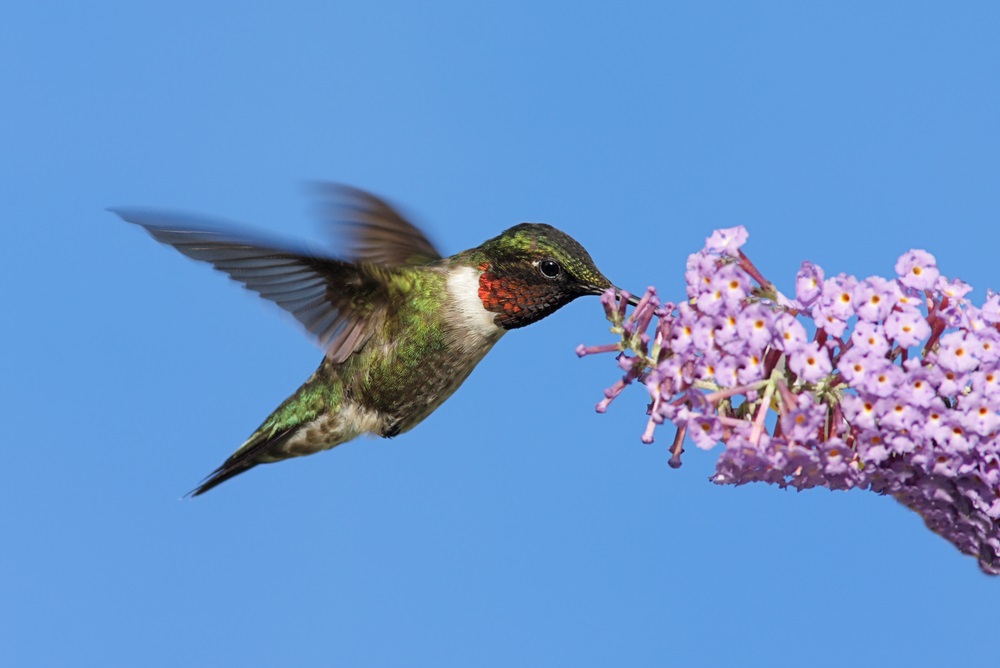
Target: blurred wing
[333,299]
[372,230]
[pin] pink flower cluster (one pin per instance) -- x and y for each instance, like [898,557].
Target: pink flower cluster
[890,385]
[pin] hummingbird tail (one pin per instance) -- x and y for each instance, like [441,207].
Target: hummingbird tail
[252,453]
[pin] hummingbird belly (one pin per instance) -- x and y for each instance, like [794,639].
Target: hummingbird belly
[329,430]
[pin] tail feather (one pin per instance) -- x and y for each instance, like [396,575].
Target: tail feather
[242,461]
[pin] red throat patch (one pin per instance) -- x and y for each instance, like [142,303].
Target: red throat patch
[515,297]
[499,295]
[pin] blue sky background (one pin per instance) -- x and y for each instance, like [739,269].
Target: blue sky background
[515,527]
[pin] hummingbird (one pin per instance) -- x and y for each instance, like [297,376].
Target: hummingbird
[401,325]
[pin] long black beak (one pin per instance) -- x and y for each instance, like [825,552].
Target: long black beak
[597,290]
[632,299]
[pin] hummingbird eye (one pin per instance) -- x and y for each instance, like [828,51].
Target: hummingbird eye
[549,268]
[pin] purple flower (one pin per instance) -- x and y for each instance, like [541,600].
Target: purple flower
[909,300]
[754,325]
[874,297]
[989,473]
[871,448]
[980,418]
[732,284]
[895,414]
[810,362]
[956,354]
[986,344]
[674,373]
[727,336]
[901,444]
[802,422]
[972,320]
[829,322]
[933,418]
[882,378]
[609,299]
[682,332]
[835,305]
[991,309]
[955,289]
[727,371]
[627,363]
[838,296]
[710,301]
[952,435]
[838,465]
[869,337]
[986,382]
[705,430]
[727,241]
[908,328]
[952,309]
[837,454]
[948,383]
[917,390]
[945,464]
[704,367]
[854,366]
[741,462]
[789,334]
[809,283]
[917,269]
[752,369]
[700,267]
[703,334]
[859,412]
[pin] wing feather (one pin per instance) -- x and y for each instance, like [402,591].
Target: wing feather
[371,229]
[322,293]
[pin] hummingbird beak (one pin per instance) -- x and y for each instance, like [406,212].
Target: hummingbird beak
[619,293]
[632,299]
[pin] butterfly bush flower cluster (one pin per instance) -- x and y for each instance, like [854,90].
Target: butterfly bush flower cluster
[889,385]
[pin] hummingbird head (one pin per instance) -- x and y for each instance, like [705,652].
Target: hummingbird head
[532,270]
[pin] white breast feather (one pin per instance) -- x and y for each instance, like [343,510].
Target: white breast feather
[474,319]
